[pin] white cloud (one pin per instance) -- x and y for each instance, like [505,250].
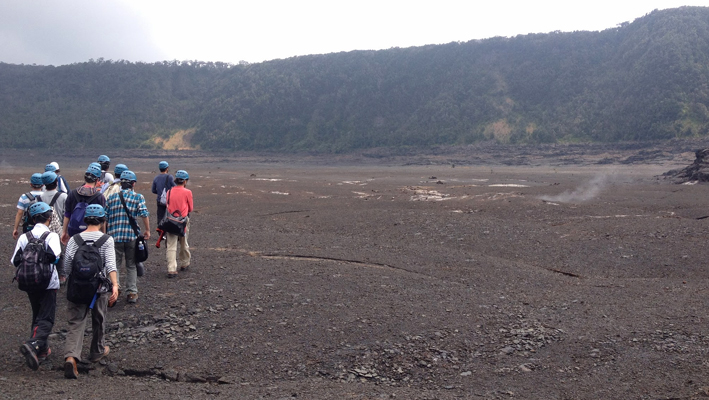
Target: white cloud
[59,32]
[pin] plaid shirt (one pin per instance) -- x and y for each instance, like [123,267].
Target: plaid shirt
[118,222]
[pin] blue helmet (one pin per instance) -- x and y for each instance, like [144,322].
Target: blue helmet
[50,167]
[94,210]
[39,207]
[163,165]
[128,176]
[36,179]
[49,177]
[119,169]
[103,158]
[94,169]
[182,174]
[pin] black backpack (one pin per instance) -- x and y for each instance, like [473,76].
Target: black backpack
[34,271]
[27,223]
[86,267]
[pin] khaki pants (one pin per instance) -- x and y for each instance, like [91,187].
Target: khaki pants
[184,255]
[78,315]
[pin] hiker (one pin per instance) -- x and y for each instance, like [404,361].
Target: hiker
[106,177]
[38,246]
[23,204]
[81,254]
[77,201]
[116,185]
[118,207]
[55,199]
[63,186]
[161,184]
[179,201]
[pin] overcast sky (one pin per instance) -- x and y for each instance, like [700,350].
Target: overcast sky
[61,32]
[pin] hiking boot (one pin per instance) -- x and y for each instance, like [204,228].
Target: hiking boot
[70,370]
[172,274]
[28,351]
[97,357]
[132,298]
[44,354]
[184,268]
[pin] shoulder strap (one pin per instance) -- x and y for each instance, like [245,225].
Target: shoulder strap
[133,224]
[54,199]
[44,236]
[79,240]
[30,196]
[29,236]
[101,241]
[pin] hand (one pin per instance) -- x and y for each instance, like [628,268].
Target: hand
[146,236]
[65,238]
[15,234]
[114,295]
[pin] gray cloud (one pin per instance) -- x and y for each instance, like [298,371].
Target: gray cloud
[49,32]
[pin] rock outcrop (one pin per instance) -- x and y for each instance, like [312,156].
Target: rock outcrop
[697,172]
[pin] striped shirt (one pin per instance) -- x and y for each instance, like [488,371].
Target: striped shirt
[118,222]
[24,202]
[107,252]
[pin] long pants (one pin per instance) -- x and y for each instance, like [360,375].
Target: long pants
[78,315]
[184,255]
[127,250]
[44,307]
[162,209]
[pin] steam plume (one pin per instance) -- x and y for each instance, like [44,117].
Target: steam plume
[585,192]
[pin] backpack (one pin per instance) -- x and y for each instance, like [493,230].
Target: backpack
[86,270]
[34,272]
[56,224]
[76,220]
[27,223]
[162,200]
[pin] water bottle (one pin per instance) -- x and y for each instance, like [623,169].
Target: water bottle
[141,247]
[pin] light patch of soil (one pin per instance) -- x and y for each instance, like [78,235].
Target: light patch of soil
[180,140]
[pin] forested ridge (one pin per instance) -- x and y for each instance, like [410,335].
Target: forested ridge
[644,80]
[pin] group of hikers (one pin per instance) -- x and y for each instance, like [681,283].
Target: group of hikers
[80,238]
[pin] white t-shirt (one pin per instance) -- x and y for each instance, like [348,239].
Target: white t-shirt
[107,177]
